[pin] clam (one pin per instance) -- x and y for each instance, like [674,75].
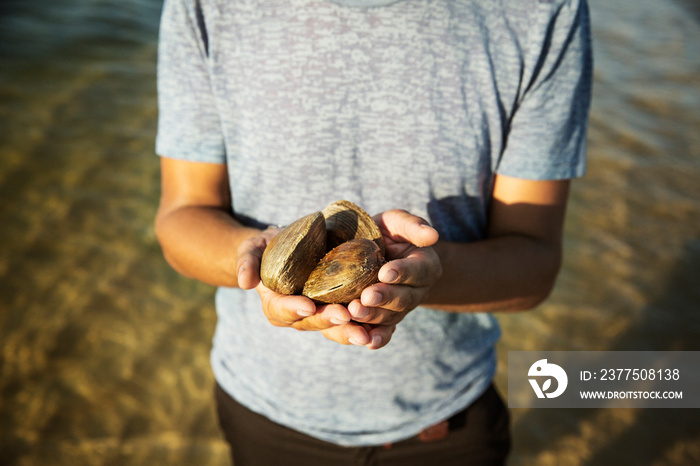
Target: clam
[295,261]
[290,256]
[346,221]
[344,272]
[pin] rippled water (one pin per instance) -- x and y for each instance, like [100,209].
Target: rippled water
[104,353]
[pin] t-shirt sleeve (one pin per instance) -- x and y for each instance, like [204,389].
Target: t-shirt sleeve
[189,126]
[547,132]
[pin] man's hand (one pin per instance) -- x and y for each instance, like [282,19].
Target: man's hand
[412,268]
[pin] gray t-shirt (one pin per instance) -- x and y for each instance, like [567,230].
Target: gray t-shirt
[412,104]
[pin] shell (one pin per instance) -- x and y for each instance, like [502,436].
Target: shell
[290,257]
[346,221]
[344,272]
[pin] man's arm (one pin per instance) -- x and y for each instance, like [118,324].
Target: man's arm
[514,268]
[201,240]
[197,233]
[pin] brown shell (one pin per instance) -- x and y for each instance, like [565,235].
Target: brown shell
[291,255]
[346,221]
[344,272]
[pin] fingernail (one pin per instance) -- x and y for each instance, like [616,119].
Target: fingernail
[360,342]
[360,312]
[376,341]
[390,276]
[339,320]
[375,299]
[304,313]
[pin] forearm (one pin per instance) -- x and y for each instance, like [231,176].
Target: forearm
[506,273]
[201,242]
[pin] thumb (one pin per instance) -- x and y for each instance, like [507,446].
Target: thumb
[402,226]
[248,264]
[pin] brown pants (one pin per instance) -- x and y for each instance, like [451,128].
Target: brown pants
[478,435]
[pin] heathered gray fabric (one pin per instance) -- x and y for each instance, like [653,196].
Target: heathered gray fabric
[413,104]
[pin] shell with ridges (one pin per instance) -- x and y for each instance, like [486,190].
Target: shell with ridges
[290,256]
[346,221]
[344,272]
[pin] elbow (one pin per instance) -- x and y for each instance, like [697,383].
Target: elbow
[533,301]
[161,230]
[543,285]
[161,235]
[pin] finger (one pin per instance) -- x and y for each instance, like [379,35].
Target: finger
[325,317]
[421,267]
[397,298]
[284,310]
[373,315]
[248,273]
[248,265]
[250,254]
[402,226]
[348,334]
[300,312]
[380,336]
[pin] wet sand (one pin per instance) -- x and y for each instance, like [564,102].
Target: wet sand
[104,355]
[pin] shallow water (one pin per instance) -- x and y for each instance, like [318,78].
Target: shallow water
[104,355]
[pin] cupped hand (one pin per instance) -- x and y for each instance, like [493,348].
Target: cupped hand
[404,281]
[299,312]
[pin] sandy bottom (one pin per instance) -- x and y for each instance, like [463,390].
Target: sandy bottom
[104,353]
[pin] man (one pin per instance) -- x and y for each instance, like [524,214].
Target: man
[469,116]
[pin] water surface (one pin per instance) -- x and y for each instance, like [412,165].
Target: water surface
[104,354]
